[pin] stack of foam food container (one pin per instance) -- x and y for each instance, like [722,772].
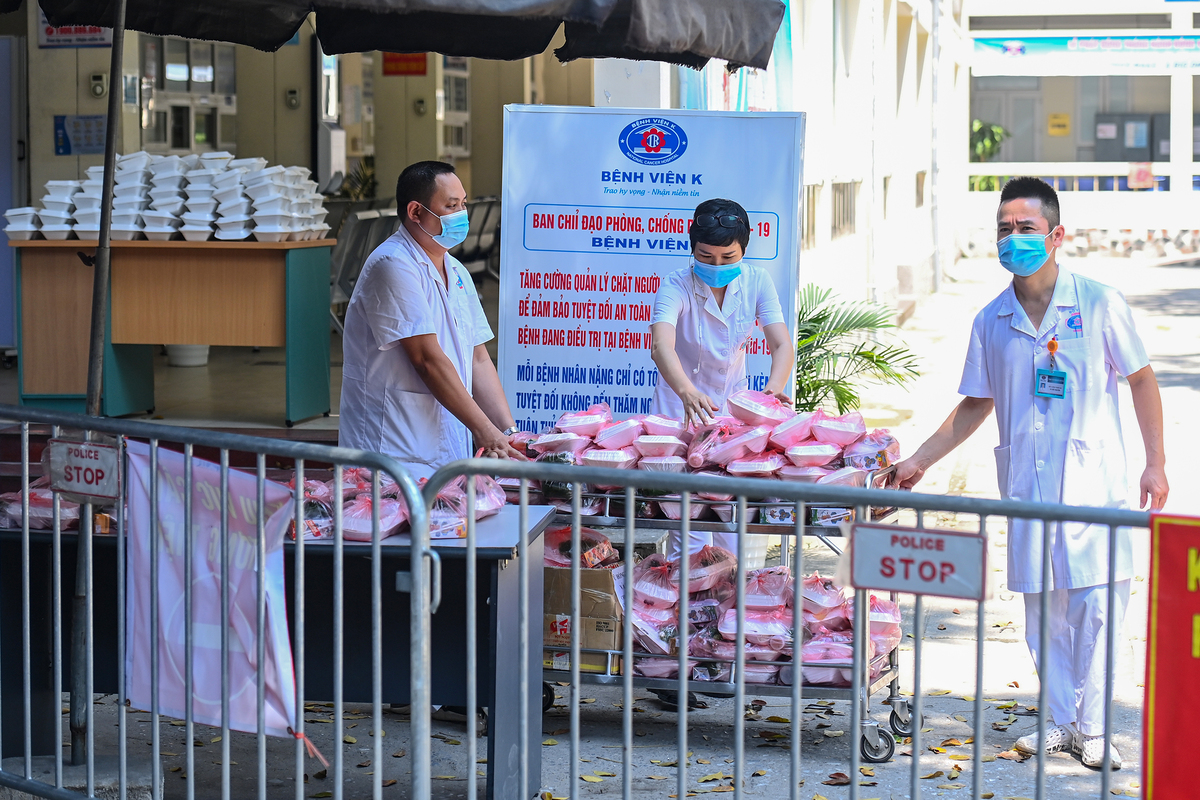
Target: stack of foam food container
[58,208]
[287,206]
[166,197]
[131,195]
[23,223]
[234,222]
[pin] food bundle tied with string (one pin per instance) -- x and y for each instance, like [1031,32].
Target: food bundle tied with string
[760,437]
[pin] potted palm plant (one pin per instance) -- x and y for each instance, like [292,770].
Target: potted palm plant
[840,347]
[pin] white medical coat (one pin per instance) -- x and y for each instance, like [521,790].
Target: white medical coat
[386,406]
[711,340]
[1065,450]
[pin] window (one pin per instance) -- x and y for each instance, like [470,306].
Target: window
[201,60]
[206,128]
[1070,22]
[152,62]
[154,131]
[181,128]
[176,71]
[920,188]
[844,197]
[226,69]
[808,233]
[455,88]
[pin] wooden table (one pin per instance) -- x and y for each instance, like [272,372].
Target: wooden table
[260,294]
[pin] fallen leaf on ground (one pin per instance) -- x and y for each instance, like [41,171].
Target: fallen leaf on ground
[321,775]
[588,700]
[939,692]
[781,720]
[868,771]
[837,779]
[703,761]
[952,743]
[930,776]
[758,774]
[604,774]
[941,627]
[322,794]
[550,742]
[361,765]
[1014,685]
[400,754]
[390,782]
[956,611]
[349,740]
[591,778]
[1012,755]
[716,776]
[834,733]
[960,757]
[960,718]
[938,750]
[657,777]
[987,796]
[951,786]
[560,731]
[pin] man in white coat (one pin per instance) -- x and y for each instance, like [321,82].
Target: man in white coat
[418,383]
[1046,355]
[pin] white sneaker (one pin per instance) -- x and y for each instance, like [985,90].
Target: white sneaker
[1091,752]
[1058,738]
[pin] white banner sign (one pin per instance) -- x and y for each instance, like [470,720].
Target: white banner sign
[1086,55]
[915,561]
[84,468]
[206,595]
[597,204]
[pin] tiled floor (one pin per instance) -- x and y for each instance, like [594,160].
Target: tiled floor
[240,387]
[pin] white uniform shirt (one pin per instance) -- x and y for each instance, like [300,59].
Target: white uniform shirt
[386,407]
[711,340]
[1066,450]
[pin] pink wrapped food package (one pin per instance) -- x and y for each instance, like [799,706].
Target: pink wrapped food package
[756,408]
[770,628]
[448,516]
[812,454]
[355,481]
[662,464]
[876,450]
[315,490]
[560,443]
[885,625]
[652,582]
[762,672]
[585,423]
[652,446]
[674,510]
[718,646]
[846,476]
[595,548]
[659,667]
[707,567]
[713,495]
[356,518]
[41,508]
[762,466]
[624,458]
[826,649]
[803,474]
[844,430]
[616,435]
[739,444]
[725,513]
[795,430]
[521,441]
[663,426]
[825,603]
[768,589]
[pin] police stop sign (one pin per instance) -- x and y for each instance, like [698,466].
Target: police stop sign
[84,468]
[918,561]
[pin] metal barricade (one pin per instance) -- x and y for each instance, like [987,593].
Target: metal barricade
[32,697]
[634,486]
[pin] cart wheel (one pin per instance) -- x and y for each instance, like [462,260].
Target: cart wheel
[885,751]
[902,728]
[547,697]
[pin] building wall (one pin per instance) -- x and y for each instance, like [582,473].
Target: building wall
[494,84]
[267,128]
[402,135]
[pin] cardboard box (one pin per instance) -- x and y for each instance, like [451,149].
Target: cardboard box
[600,619]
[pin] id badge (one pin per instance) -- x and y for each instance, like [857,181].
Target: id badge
[1051,383]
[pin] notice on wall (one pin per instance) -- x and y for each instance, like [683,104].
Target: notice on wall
[79,134]
[1058,124]
[410,64]
[596,213]
[71,35]
[1172,656]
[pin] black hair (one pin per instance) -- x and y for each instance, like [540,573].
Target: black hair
[418,181]
[1028,188]
[716,234]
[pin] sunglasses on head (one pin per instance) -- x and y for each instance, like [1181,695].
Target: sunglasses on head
[724,220]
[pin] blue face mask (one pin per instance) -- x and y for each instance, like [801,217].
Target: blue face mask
[1022,254]
[716,276]
[454,229]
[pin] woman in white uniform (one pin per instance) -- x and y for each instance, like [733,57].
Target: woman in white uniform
[704,316]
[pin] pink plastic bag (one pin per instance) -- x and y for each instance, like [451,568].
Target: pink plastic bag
[803,474]
[314,490]
[521,441]
[650,633]
[844,430]
[830,648]
[560,443]
[725,513]
[585,423]
[704,645]
[448,517]
[768,589]
[356,518]
[796,429]
[355,481]
[723,593]
[707,567]
[662,464]
[617,435]
[41,508]
[812,454]
[713,495]
[756,408]
[653,583]
[762,466]
[886,632]
[659,667]
[876,450]
[824,602]
[596,549]
[846,476]
[625,458]
[772,629]
[740,444]
[659,446]
[674,510]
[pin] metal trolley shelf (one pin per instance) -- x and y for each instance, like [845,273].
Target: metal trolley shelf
[876,746]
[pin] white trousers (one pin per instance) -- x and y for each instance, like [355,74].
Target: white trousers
[698,540]
[1074,670]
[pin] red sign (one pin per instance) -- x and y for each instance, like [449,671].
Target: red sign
[1172,658]
[404,64]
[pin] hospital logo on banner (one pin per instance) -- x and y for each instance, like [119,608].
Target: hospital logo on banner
[653,141]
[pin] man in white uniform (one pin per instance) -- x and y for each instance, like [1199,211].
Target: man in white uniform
[1046,355]
[704,316]
[417,381]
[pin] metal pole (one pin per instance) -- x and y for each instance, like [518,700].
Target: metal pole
[102,259]
[79,655]
[935,35]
